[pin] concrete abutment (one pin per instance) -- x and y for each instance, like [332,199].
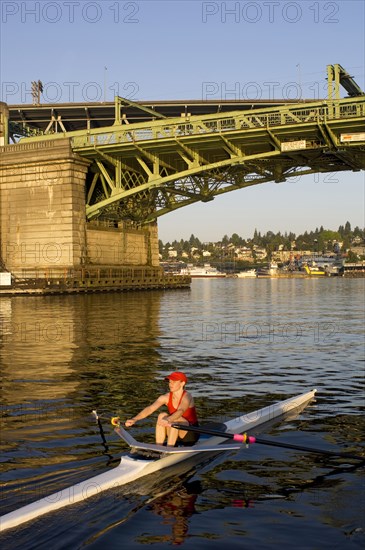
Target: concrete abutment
[45,238]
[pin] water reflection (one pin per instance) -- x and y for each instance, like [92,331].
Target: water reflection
[175,509]
[36,350]
[66,347]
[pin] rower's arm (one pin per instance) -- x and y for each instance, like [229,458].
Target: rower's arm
[147,411]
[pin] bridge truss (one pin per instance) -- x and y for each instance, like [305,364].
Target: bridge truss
[144,170]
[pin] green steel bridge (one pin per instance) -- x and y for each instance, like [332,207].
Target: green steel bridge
[145,169]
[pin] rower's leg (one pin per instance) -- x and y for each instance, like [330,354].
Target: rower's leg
[161,431]
[173,434]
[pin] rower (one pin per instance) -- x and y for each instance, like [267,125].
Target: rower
[181,408]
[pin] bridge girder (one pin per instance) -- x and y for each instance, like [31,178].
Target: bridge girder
[142,171]
[148,171]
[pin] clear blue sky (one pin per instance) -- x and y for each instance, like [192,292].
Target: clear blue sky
[86,50]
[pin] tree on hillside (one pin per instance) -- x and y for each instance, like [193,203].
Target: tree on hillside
[330,235]
[347,227]
[194,241]
[185,246]
[357,232]
[236,239]
[256,237]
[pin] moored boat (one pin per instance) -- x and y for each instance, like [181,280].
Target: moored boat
[205,271]
[270,271]
[247,273]
[145,459]
[314,271]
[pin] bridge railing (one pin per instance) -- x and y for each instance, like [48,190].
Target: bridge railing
[220,123]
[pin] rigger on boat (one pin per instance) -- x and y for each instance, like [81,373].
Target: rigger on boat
[139,462]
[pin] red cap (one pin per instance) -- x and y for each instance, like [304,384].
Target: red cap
[177,376]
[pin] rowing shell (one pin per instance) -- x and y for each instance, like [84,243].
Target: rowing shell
[133,466]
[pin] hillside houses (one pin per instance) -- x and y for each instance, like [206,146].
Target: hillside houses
[263,248]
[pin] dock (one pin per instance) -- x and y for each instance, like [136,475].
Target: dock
[98,280]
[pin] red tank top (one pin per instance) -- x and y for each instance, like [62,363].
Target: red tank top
[190,413]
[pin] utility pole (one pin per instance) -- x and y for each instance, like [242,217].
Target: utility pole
[37,89]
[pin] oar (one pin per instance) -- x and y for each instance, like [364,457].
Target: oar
[101,430]
[251,439]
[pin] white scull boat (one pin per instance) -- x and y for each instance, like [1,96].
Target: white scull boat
[134,465]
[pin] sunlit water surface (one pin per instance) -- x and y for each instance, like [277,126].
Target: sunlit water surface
[244,344]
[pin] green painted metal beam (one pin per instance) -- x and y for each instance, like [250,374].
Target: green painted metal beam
[145,170]
[120,101]
[336,76]
[264,146]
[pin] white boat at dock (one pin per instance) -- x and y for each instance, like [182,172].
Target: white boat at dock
[248,273]
[205,271]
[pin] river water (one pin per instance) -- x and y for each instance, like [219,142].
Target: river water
[244,344]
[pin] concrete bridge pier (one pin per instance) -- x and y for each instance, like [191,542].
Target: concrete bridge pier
[42,208]
[46,242]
